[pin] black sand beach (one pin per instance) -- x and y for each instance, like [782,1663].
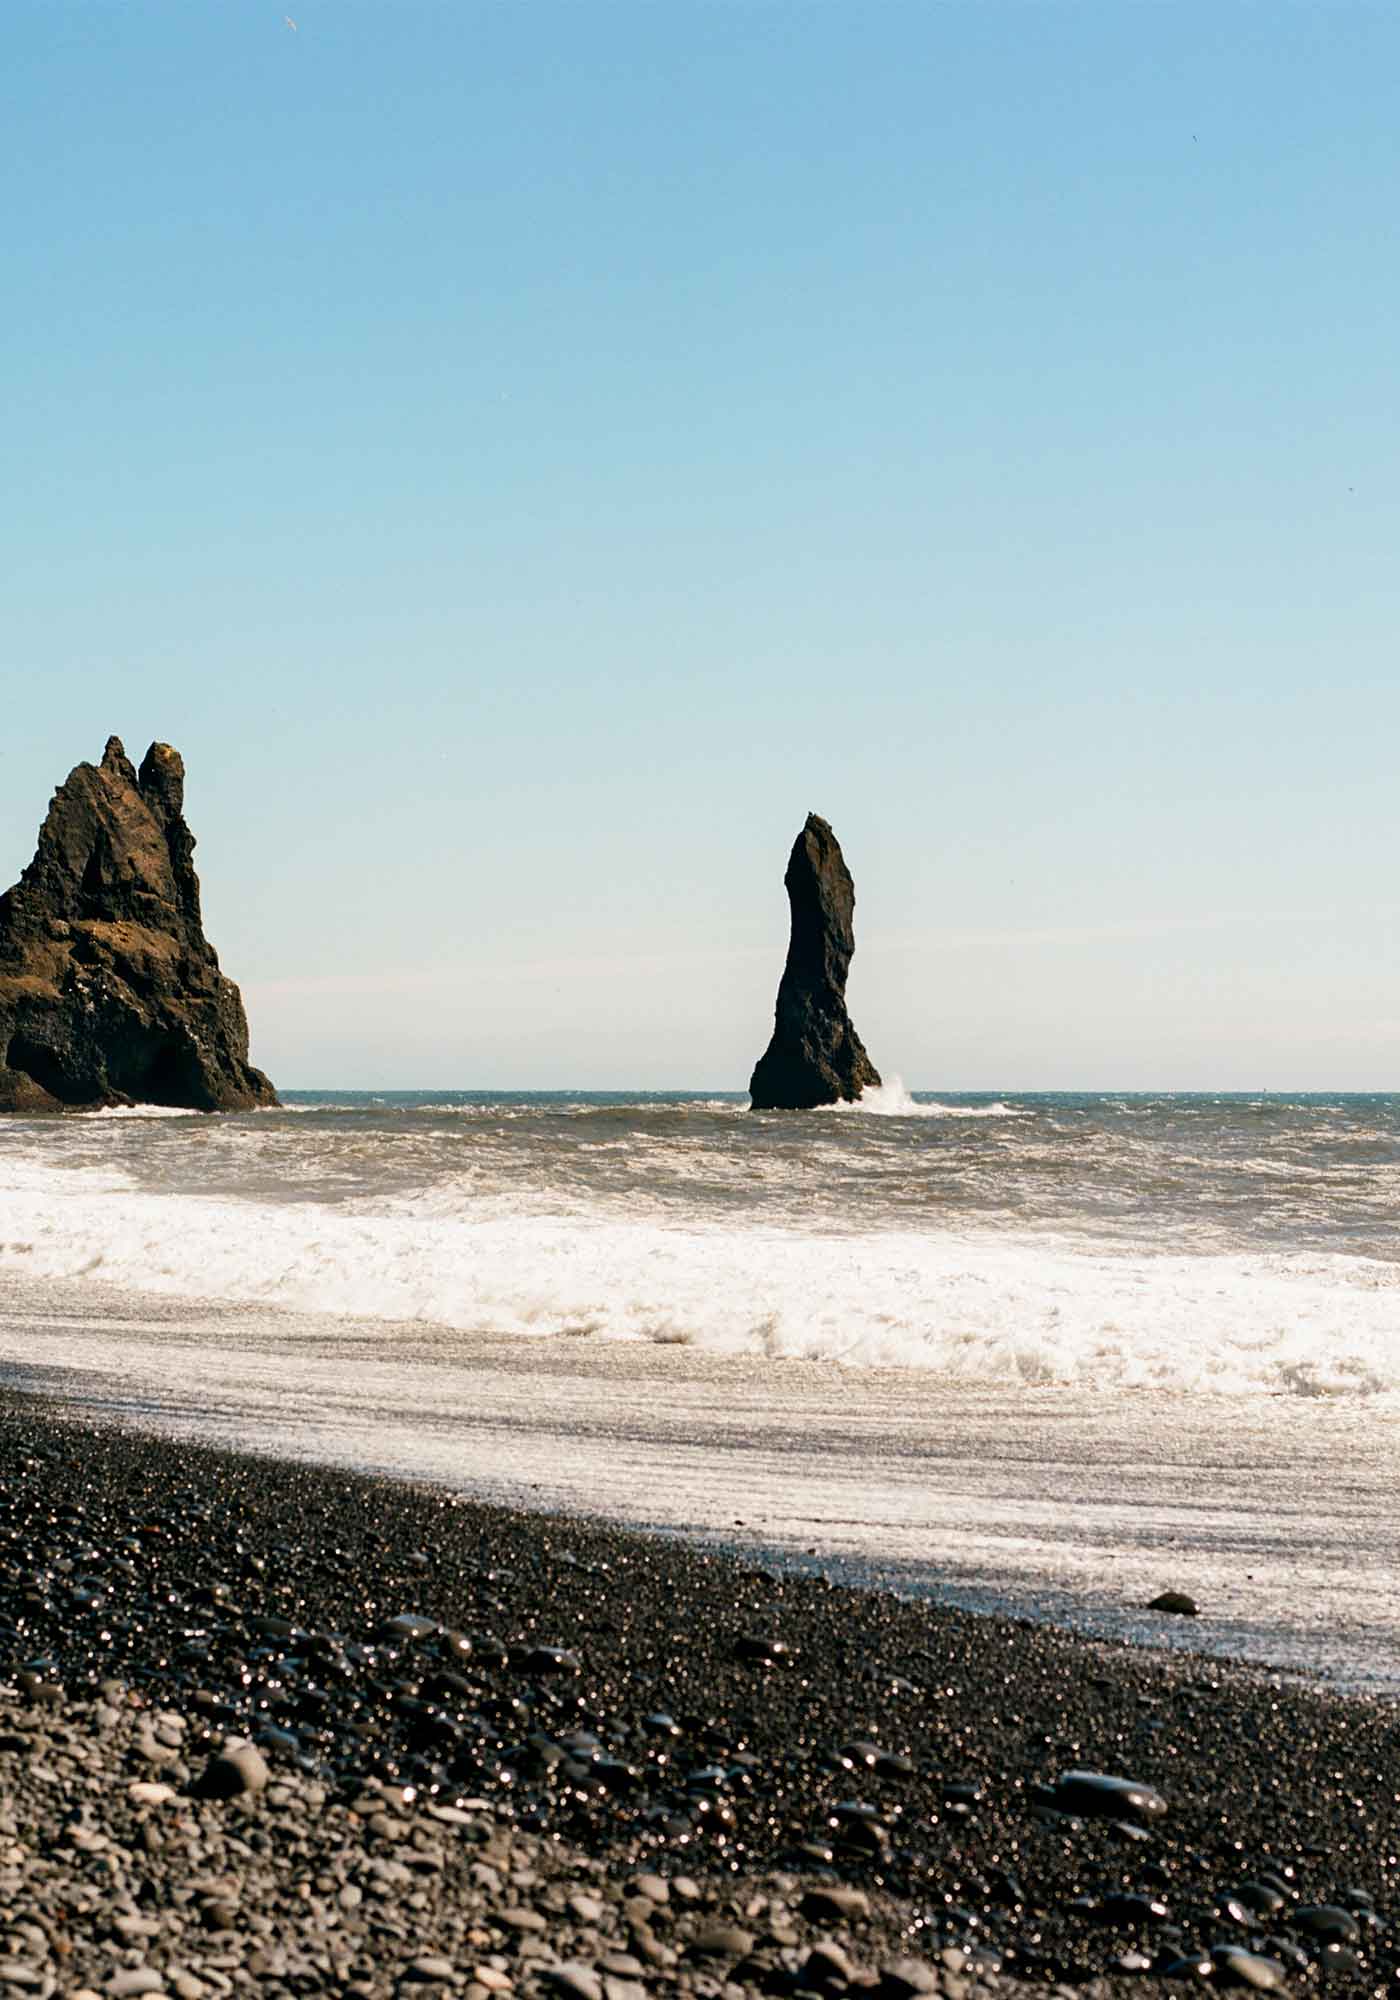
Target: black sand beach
[500,1752]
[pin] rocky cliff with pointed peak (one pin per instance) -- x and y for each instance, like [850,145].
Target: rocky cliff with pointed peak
[110,994]
[815,1056]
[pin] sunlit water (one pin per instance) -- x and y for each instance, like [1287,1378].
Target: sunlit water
[1057,1352]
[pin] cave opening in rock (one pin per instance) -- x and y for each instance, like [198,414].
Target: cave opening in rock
[44,1066]
[173,1076]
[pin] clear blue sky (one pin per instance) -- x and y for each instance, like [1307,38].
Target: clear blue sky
[525,455]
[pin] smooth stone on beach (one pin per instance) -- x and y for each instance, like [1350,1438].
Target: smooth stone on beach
[239,1769]
[1095,1795]
[1236,1967]
[894,1764]
[550,1660]
[526,1922]
[1328,1923]
[410,1626]
[577,1982]
[722,1941]
[825,1965]
[962,1798]
[903,1978]
[865,1754]
[1177,1603]
[1136,1911]
[758,1651]
[835,1904]
[139,1979]
[41,1692]
[1261,1898]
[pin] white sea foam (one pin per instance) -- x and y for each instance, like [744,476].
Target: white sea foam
[980,1305]
[110,1111]
[892,1100]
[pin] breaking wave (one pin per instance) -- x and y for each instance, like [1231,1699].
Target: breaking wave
[983,1305]
[892,1100]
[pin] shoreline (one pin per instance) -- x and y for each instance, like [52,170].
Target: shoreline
[824,1739]
[1074,1506]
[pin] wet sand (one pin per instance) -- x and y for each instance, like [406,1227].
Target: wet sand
[1275,1513]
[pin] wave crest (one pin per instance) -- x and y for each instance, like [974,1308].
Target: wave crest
[891,1099]
[986,1306]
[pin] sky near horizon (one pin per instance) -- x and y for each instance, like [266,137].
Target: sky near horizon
[527,456]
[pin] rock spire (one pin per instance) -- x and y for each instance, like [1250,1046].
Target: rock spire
[815,1056]
[109,991]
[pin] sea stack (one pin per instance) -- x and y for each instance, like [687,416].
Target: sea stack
[110,994]
[815,1056]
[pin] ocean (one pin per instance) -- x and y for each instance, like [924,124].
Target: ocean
[1050,1353]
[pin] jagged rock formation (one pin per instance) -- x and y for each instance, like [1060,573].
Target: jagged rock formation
[109,992]
[815,1056]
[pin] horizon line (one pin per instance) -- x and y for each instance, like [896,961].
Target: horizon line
[914,1090]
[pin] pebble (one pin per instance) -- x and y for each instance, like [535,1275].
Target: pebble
[521,1920]
[427,1773]
[579,1982]
[1236,1967]
[551,1660]
[409,1626]
[904,1978]
[1132,1910]
[722,1941]
[239,1769]
[756,1650]
[1328,1923]
[1259,1897]
[826,1965]
[835,1904]
[1197,1967]
[1093,1795]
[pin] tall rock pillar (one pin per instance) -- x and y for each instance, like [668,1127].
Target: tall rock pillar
[110,993]
[815,1056]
